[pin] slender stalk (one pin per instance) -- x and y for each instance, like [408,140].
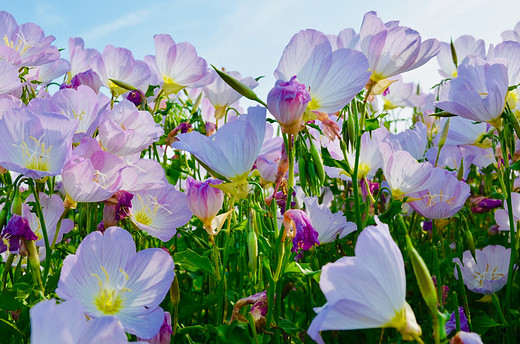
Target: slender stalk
[39,213]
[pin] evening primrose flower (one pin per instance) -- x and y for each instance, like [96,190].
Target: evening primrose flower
[478,93]
[177,65]
[25,44]
[403,173]
[204,200]
[502,215]
[368,290]
[65,323]
[392,49]
[328,225]
[465,46]
[232,150]
[287,102]
[52,208]
[91,175]
[159,212]
[108,277]
[332,77]
[489,273]
[126,130]
[221,95]
[10,80]
[444,198]
[36,145]
[298,226]
[119,64]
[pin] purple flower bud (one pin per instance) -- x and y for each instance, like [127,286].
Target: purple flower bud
[116,208]
[287,101]
[88,78]
[165,333]
[17,228]
[451,324]
[135,97]
[483,204]
[204,200]
[304,235]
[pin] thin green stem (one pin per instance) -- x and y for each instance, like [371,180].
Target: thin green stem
[39,213]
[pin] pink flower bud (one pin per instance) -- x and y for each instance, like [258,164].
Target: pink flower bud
[88,78]
[287,101]
[204,200]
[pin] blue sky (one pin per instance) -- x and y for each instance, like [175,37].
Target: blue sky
[249,36]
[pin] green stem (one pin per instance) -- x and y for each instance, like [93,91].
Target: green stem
[39,213]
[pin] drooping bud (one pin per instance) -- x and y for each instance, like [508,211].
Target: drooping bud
[298,226]
[258,310]
[17,228]
[204,200]
[136,97]
[287,102]
[88,78]
[116,208]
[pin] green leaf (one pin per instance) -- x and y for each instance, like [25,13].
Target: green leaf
[298,268]
[149,91]
[371,124]
[241,226]
[288,326]
[484,321]
[8,302]
[394,209]
[192,261]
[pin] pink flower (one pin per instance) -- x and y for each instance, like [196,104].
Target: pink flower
[204,200]
[287,101]
[177,65]
[119,64]
[392,49]
[444,198]
[489,273]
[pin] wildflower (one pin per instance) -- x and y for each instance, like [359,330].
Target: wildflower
[465,46]
[392,49]
[451,323]
[26,44]
[258,310]
[287,101]
[165,333]
[478,93]
[368,290]
[403,173]
[221,95]
[502,215]
[489,273]
[444,197]
[65,323]
[298,226]
[232,150]
[332,77]
[119,64]
[127,130]
[108,277]
[204,200]
[466,338]
[160,211]
[16,229]
[177,65]
[36,145]
[328,225]
[91,175]
[52,208]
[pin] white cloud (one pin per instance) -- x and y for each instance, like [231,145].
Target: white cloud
[125,21]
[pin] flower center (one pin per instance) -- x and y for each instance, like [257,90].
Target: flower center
[35,155]
[110,299]
[487,275]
